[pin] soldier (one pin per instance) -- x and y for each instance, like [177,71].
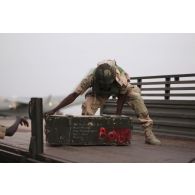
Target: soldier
[106,80]
[10,131]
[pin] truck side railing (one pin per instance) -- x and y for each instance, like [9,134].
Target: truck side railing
[170,100]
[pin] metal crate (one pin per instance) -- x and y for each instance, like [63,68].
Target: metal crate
[88,130]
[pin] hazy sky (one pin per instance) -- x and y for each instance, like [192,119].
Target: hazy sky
[43,64]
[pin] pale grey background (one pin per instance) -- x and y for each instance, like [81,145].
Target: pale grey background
[43,64]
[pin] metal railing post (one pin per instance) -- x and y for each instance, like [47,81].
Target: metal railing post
[167,88]
[139,81]
[36,116]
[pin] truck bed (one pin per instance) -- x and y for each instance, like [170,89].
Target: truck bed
[172,150]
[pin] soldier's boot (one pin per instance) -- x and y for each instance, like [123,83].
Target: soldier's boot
[147,124]
[150,138]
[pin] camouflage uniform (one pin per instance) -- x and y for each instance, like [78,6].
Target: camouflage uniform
[2,131]
[134,99]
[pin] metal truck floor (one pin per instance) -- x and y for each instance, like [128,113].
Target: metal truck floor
[171,151]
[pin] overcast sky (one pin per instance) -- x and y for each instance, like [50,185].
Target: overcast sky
[43,64]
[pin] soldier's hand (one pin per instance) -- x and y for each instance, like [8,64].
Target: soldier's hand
[51,112]
[24,122]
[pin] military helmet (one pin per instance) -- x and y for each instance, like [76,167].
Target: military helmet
[105,74]
[104,80]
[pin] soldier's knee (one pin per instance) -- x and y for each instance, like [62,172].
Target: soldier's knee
[133,90]
[86,109]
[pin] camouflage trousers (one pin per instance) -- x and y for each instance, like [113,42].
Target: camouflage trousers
[134,100]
